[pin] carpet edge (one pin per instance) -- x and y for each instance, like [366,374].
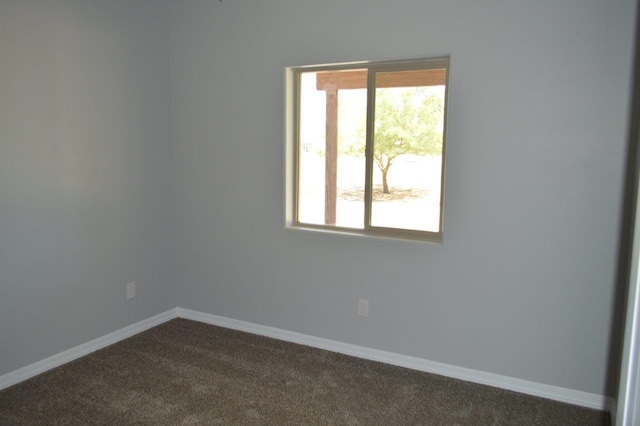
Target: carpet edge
[556,393]
[83,349]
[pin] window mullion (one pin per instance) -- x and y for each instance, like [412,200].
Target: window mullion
[368,184]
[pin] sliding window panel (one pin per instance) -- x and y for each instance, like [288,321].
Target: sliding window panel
[331,149]
[408,147]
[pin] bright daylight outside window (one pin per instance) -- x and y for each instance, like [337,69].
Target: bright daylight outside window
[366,144]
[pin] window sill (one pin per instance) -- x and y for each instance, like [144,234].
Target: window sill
[431,238]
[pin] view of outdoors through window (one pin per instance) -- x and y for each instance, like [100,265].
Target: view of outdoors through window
[408,122]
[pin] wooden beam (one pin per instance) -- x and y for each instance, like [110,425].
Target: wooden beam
[341,79]
[357,79]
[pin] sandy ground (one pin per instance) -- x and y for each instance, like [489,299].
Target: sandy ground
[414,202]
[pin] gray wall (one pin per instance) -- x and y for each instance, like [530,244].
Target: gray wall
[86,196]
[524,283]
[144,142]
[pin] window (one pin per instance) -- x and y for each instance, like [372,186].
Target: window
[366,148]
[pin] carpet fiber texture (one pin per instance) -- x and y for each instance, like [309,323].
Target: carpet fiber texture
[184,372]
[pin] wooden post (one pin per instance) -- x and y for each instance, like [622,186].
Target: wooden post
[331,156]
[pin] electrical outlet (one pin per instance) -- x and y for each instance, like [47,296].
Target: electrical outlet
[363,307]
[131,290]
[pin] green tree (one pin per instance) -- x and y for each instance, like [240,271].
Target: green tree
[407,121]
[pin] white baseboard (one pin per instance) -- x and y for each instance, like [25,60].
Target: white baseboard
[36,368]
[569,396]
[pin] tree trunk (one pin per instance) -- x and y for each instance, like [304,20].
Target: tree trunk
[385,186]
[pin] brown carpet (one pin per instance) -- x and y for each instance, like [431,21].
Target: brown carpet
[185,372]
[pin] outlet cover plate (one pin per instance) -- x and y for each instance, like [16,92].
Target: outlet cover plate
[131,290]
[363,308]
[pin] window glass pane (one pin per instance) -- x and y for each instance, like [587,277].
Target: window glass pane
[331,161]
[407,146]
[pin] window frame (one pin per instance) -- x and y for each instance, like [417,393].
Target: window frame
[293,147]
